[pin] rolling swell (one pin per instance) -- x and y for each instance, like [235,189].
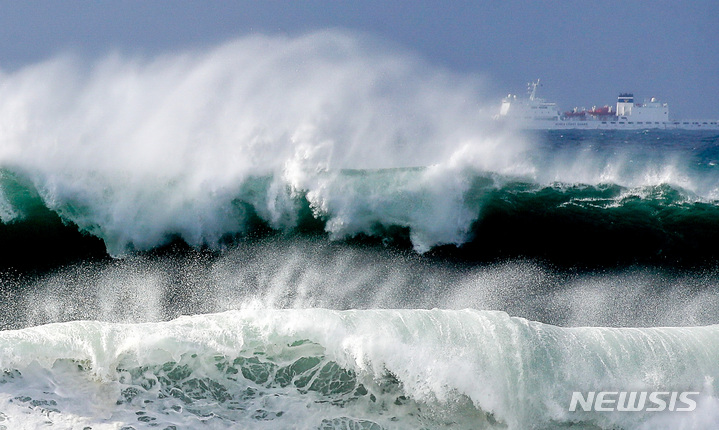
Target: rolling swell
[602,225]
[489,218]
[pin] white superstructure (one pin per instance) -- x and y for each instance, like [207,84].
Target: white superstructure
[537,114]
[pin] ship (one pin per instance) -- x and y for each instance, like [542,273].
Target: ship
[535,113]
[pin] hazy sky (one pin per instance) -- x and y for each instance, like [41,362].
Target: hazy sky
[585,52]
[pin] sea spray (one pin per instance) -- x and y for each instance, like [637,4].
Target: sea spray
[300,273]
[134,150]
[200,144]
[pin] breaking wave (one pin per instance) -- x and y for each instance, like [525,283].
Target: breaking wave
[346,370]
[326,132]
[483,216]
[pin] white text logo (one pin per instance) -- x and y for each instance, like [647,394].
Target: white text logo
[633,401]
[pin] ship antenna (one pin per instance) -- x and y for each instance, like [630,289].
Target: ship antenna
[533,89]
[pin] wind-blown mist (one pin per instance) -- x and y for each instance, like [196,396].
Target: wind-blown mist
[303,274]
[134,149]
[331,126]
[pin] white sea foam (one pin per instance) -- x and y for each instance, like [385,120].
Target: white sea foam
[423,368]
[7,211]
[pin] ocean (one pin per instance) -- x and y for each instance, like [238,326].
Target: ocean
[212,239]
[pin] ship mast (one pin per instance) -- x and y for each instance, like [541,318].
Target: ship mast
[532,87]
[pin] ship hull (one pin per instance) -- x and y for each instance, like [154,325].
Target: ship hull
[617,125]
